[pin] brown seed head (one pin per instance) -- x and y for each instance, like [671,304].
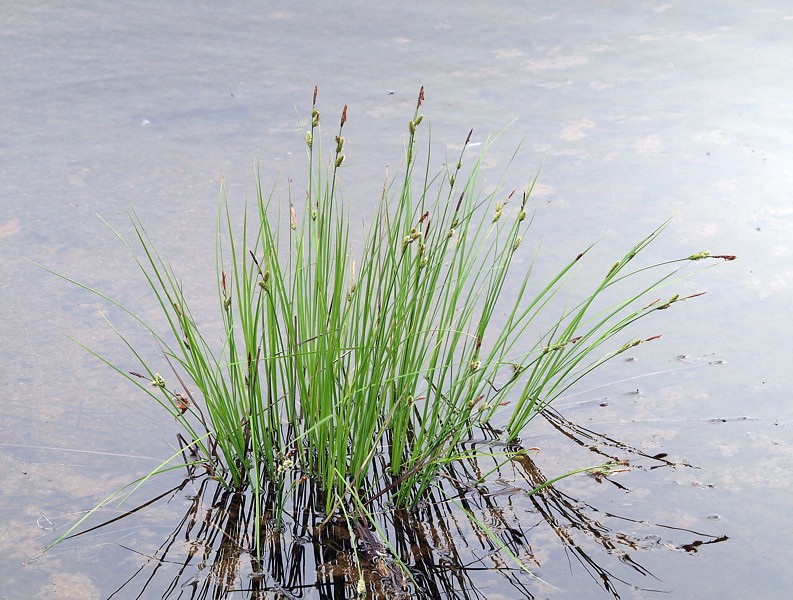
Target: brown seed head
[421,98]
[343,116]
[314,102]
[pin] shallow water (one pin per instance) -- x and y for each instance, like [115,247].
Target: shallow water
[636,113]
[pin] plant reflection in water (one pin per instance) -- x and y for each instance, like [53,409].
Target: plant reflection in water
[443,549]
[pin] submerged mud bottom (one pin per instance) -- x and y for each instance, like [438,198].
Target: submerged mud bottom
[480,533]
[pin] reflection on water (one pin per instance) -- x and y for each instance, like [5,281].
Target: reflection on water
[465,541]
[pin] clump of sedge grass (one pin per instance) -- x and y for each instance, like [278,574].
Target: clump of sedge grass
[331,365]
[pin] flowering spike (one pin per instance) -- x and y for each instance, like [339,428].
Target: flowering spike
[669,302]
[499,211]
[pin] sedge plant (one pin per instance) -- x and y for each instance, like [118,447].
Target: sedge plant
[338,356]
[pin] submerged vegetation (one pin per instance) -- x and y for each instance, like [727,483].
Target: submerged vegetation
[351,376]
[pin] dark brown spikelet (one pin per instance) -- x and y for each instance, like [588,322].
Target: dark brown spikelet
[255,261]
[468,139]
[343,116]
[725,256]
[314,102]
[421,98]
[459,202]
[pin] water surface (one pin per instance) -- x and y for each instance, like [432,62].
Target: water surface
[637,112]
